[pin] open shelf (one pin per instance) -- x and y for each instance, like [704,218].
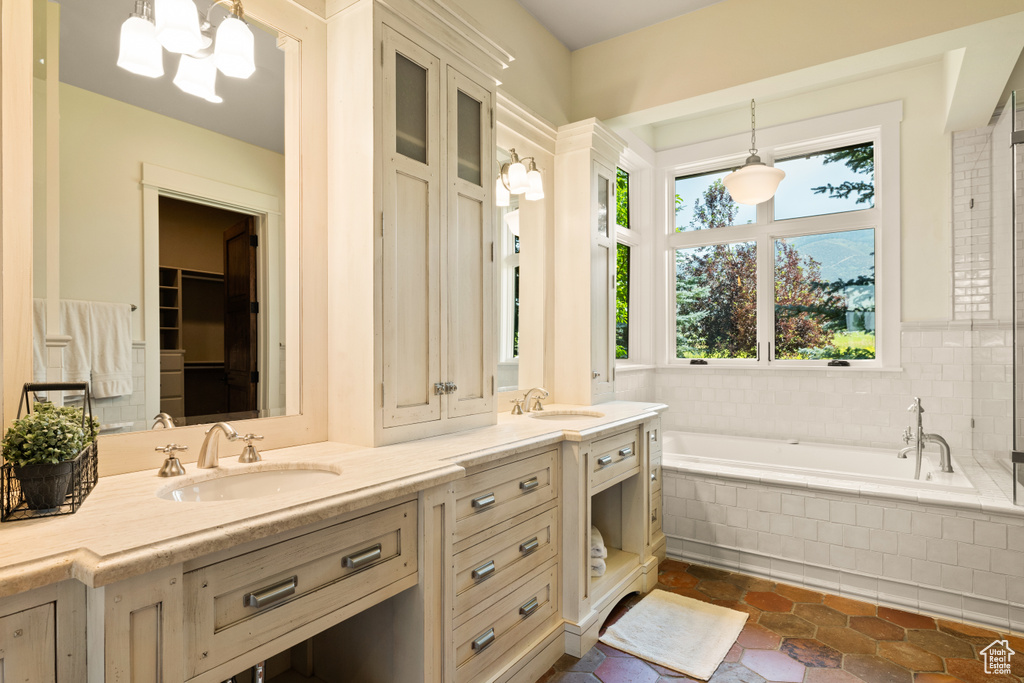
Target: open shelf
[619,564]
[292,676]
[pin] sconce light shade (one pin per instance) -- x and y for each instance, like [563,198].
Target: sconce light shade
[234,51]
[177,26]
[512,221]
[535,183]
[754,182]
[517,181]
[140,51]
[198,77]
[502,196]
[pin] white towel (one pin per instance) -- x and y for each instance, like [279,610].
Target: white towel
[111,333]
[596,539]
[600,552]
[75,322]
[39,340]
[597,567]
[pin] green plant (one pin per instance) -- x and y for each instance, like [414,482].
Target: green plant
[48,435]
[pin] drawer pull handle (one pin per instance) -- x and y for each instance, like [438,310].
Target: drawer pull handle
[529,485]
[626,452]
[604,461]
[483,571]
[529,546]
[529,608]
[654,435]
[654,476]
[654,515]
[265,596]
[484,640]
[361,559]
[483,501]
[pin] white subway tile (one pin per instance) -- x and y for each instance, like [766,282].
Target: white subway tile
[989,534]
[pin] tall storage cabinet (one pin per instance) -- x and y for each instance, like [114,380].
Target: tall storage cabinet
[412,237]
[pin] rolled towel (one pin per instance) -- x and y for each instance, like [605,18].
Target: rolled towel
[596,539]
[597,566]
[600,552]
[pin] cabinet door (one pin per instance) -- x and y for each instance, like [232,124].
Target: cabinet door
[469,280]
[411,243]
[602,282]
[28,646]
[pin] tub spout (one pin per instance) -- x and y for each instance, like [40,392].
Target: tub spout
[903,451]
[945,461]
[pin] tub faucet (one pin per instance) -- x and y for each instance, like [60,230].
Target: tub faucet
[163,420]
[920,439]
[208,456]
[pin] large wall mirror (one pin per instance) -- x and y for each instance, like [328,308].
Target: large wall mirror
[509,246]
[166,256]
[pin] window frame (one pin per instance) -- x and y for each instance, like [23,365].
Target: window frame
[508,261]
[640,168]
[878,124]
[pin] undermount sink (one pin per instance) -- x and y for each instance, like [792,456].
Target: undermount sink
[566,415]
[246,485]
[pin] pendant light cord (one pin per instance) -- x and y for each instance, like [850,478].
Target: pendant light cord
[753,130]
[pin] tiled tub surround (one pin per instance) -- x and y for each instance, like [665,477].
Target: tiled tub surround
[935,553]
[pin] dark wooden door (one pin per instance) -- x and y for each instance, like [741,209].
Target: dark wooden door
[240,317]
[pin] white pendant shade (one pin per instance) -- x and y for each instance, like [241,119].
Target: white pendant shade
[754,183]
[140,51]
[517,181]
[234,49]
[502,196]
[198,77]
[512,221]
[535,190]
[177,26]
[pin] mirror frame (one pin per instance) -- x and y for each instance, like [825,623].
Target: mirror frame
[306,208]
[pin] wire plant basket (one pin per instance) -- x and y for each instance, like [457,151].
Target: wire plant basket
[62,487]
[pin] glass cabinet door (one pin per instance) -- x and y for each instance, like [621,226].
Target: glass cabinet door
[410,108]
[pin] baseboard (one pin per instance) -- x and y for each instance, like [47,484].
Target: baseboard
[541,657]
[941,602]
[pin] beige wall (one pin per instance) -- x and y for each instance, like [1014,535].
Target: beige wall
[740,41]
[539,76]
[103,146]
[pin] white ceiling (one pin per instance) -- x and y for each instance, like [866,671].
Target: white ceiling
[579,23]
[253,108]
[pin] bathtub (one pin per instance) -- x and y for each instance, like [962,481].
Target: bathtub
[819,463]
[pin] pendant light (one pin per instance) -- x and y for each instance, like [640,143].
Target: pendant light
[140,52]
[198,77]
[177,26]
[234,49]
[754,182]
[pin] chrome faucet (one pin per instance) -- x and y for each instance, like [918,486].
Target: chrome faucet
[542,393]
[208,455]
[920,439]
[163,420]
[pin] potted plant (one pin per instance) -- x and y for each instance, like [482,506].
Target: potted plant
[41,448]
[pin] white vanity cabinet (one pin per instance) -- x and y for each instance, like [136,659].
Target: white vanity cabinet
[42,635]
[412,204]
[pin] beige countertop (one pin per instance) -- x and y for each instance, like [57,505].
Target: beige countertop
[124,529]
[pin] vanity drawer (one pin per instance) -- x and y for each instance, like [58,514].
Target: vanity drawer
[486,498]
[490,637]
[654,439]
[488,567]
[235,605]
[614,458]
[655,519]
[656,474]
[172,384]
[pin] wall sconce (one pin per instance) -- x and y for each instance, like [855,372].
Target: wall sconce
[516,177]
[177,26]
[755,182]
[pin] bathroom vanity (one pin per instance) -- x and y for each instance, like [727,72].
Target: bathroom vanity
[464,558]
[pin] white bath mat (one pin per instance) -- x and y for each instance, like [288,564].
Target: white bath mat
[680,633]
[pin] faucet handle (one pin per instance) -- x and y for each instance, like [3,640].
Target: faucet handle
[517,407]
[170,448]
[249,453]
[172,467]
[907,435]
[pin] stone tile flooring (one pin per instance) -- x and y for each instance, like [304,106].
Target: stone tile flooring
[795,635]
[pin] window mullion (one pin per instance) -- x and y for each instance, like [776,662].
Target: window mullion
[765,298]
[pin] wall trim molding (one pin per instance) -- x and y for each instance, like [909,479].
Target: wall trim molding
[899,594]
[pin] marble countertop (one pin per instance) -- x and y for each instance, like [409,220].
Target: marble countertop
[124,529]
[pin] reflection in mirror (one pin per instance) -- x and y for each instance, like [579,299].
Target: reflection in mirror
[160,250]
[508,239]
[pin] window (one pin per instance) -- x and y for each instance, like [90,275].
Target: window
[800,279]
[622,264]
[508,244]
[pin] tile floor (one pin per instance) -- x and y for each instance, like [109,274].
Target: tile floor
[796,635]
